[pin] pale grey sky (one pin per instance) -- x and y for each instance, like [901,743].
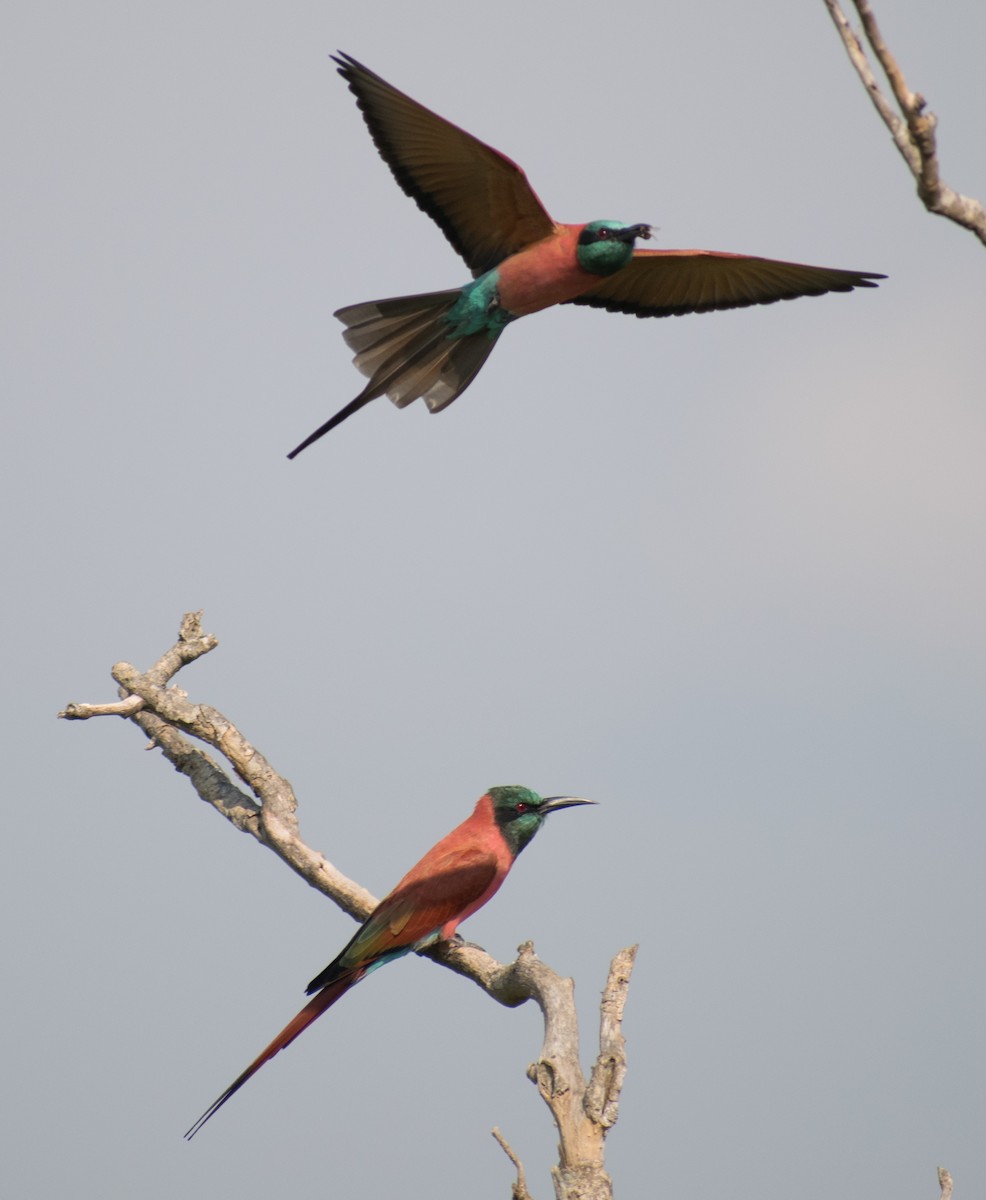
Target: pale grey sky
[723,574]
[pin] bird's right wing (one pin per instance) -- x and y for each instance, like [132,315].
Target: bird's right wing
[480,200]
[669,283]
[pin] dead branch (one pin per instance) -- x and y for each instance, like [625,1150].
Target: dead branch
[913,130]
[266,808]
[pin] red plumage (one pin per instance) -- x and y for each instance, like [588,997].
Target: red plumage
[455,878]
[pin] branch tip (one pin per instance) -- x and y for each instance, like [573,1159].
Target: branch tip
[945,1183]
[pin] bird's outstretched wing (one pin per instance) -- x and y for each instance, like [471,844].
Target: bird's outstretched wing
[480,200]
[669,283]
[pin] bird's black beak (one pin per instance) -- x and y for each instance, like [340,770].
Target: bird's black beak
[553,803]
[633,232]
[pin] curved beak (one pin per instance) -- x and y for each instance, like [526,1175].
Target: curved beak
[553,803]
[631,233]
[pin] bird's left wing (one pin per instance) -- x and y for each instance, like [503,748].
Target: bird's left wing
[422,903]
[480,200]
[669,283]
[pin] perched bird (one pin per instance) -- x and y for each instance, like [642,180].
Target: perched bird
[522,260]
[454,879]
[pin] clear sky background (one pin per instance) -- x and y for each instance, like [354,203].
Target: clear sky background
[724,574]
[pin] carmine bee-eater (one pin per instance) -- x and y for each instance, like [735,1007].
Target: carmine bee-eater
[454,879]
[433,345]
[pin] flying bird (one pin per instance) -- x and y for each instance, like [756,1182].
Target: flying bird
[453,880]
[522,260]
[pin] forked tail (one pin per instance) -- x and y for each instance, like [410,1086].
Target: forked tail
[404,346]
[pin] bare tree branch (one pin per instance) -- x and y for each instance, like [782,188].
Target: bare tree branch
[266,808]
[945,1183]
[914,130]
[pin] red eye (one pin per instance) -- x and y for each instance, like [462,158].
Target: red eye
[522,807]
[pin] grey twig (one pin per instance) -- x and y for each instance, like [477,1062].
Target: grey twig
[913,128]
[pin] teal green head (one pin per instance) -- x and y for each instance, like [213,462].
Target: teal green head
[519,813]
[607,246]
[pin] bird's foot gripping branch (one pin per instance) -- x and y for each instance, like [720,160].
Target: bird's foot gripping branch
[417,915]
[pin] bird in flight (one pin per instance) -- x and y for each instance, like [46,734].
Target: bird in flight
[432,345]
[453,880]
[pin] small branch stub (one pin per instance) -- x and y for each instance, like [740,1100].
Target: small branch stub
[519,1190]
